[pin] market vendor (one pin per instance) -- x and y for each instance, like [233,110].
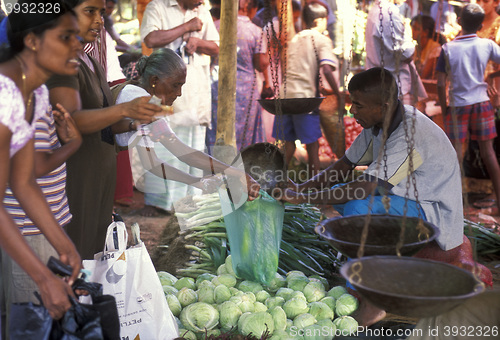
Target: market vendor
[436,170]
[430,158]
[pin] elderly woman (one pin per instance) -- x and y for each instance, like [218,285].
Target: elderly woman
[42,43]
[162,75]
[92,170]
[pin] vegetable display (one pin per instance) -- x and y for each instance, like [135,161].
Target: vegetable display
[352,130]
[301,248]
[261,311]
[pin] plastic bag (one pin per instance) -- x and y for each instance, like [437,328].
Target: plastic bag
[254,235]
[128,274]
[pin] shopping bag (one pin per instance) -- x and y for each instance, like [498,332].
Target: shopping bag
[129,276]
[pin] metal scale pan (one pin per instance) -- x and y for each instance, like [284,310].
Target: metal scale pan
[265,163]
[291,106]
[404,286]
[411,287]
[344,234]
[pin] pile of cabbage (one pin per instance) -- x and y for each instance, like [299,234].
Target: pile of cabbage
[290,307]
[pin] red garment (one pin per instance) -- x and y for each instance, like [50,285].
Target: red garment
[124,180]
[461,256]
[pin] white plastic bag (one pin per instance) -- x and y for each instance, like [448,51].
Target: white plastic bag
[129,275]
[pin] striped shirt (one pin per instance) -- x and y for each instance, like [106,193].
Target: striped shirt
[53,184]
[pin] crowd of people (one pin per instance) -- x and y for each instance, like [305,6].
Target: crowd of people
[66,109]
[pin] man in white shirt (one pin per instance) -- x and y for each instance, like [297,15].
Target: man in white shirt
[389,44]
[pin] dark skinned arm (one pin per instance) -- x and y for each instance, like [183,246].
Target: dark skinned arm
[90,121]
[335,173]
[160,38]
[441,89]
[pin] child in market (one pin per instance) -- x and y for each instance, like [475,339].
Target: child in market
[308,51]
[469,111]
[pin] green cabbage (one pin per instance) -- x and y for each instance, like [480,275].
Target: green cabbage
[185,282]
[328,324]
[235,291]
[247,306]
[320,279]
[170,290]
[244,301]
[346,325]
[206,283]
[229,265]
[276,283]
[211,334]
[283,335]
[330,302]
[229,315]
[274,301]
[250,286]
[293,274]
[279,317]
[346,305]
[285,293]
[166,278]
[222,269]
[221,293]
[256,323]
[206,292]
[337,292]
[262,295]
[185,334]
[187,296]
[227,280]
[298,294]
[297,282]
[303,320]
[295,307]
[174,304]
[314,291]
[203,277]
[259,307]
[199,316]
[250,296]
[320,310]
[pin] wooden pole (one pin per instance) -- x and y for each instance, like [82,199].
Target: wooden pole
[225,144]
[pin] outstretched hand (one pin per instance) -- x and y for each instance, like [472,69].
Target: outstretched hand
[252,187]
[66,126]
[287,195]
[141,109]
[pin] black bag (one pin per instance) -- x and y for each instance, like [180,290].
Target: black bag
[79,322]
[96,321]
[30,321]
